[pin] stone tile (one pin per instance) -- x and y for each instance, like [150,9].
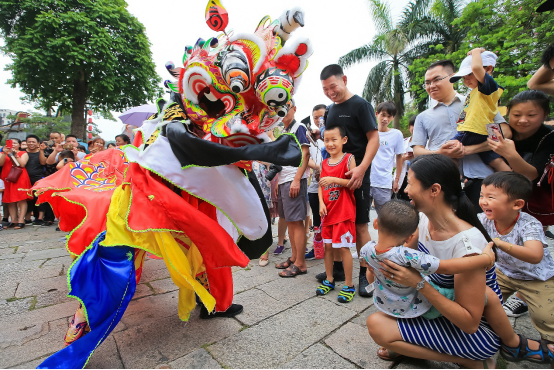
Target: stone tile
[272,337]
[46,344]
[30,365]
[33,246]
[362,317]
[48,253]
[12,257]
[29,288]
[199,359]
[414,363]
[7,289]
[354,344]
[163,286]
[244,279]
[168,338]
[52,298]
[36,317]
[255,312]
[149,274]
[318,357]
[303,286]
[106,356]
[142,291]
[149,309]
[8,308]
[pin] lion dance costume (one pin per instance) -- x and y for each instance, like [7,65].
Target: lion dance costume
[183,191]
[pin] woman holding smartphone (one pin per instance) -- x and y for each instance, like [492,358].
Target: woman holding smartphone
[16,199]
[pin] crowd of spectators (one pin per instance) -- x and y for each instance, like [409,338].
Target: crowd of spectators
[38,159]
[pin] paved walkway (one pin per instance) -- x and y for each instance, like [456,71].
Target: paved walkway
[284,325]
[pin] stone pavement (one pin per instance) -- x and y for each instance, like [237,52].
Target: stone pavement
[284,325]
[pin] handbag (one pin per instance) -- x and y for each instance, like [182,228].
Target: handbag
[14,174]
[541,203]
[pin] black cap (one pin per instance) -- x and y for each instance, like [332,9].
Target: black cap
[546,6]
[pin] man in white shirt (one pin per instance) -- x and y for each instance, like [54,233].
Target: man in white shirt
[389,154]
[437,125]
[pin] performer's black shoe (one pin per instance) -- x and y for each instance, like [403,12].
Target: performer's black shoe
[233,310]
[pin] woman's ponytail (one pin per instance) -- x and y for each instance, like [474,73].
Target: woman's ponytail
[439,169]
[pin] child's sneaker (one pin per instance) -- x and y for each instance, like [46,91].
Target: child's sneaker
[325,287]
[310,255]
[346,294]
[279,250]
[515,307]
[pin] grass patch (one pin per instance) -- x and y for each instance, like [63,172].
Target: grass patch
[244,328]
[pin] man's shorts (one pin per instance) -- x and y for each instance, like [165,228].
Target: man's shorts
[293,209]
[380,197]
[363,203]
[341,235]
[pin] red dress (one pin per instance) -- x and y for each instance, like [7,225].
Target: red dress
[12,193]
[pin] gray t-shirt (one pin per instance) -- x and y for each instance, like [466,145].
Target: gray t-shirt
[526,228]
[392,298]
[438,124]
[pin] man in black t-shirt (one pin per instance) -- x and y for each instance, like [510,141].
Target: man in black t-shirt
[35,169]
[357,117]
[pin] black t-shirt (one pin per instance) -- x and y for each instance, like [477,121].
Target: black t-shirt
[357,117]
[34,168]
[530,151]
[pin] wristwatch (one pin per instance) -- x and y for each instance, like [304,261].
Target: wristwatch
[420,285]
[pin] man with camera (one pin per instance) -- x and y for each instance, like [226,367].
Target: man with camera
[71,143]
[292,198]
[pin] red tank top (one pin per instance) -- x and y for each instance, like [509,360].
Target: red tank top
[339,200]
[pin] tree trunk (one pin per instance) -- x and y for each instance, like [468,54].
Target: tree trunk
[396,122]
[78,108]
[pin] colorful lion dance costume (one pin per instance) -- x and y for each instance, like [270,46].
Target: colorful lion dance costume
[183,191]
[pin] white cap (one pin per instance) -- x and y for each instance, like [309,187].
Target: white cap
[489,59]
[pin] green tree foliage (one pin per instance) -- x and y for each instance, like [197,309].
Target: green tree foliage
[387,80]
[66,52]
[509,28]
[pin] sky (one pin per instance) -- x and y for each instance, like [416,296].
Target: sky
[171,25]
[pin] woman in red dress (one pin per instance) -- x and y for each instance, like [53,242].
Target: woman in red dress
[15,198]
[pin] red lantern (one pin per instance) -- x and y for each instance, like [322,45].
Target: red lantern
[90,120]
[90,135]
[90,112]
[89,128]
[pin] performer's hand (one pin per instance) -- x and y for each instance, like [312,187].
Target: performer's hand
[294,188]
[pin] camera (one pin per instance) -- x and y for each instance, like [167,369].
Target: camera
[274,169]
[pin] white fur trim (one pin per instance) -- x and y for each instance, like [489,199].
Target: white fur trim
[237,127]
[258,41]
[290,48]
[288,24]
[187,92]
[263,136]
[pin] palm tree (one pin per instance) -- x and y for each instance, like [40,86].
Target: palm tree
[395,46]
[386,81]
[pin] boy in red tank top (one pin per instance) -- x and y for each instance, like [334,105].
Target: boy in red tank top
[337,208]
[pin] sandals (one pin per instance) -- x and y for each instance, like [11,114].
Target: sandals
[292,271]
[346,294]
[284,265]
[19,226]
[522,352]
[9,226]
[391,355]
[325,287]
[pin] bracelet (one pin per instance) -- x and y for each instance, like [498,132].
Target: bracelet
[490,258]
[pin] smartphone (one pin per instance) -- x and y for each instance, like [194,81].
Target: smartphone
[50,143]
[491,127]
[9,144]
[68,147]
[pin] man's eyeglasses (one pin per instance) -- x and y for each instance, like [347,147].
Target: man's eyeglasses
[427,84]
